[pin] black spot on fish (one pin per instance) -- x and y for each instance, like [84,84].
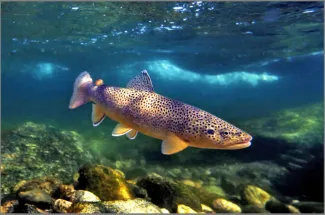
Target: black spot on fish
[210,131]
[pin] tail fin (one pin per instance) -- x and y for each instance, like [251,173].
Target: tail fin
[80,88]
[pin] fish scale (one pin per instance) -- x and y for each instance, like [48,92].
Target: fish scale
[137,108]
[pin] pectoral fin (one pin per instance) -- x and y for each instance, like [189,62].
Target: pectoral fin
[120,130]
[132,134]
[172,144]
[97,115]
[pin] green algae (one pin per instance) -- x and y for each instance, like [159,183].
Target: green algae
[34,150]
[301,125]
[107,183]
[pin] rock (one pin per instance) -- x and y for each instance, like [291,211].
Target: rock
[75,179]
[167,193]
[18,186]
[138,191]
[205,197]
[224,206]
[61,205]
[87,208]
[84,196]
[66,191]
[131,206]
[164,211]
[122,175]
[183,209]
[119,206]
[309,207]
[35,150]
[9,207]
[206,209]
[215,189]
[293,209]
[131,181]
[49,185]
[255,195]
[276,207]
[37,197]
[253,209]
[32,209]
[104,182]
[228,185]
[197,184]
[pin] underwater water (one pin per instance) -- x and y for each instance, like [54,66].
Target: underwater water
[256,65]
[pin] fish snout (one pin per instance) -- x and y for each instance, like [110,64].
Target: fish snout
[247,138]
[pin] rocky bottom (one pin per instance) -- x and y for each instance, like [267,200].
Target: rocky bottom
[102,189]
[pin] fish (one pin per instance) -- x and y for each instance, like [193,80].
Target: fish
[138,108]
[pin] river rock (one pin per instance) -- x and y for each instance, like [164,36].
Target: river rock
[138,191]
[224,206]
[276,207]
[206,209]
[66,191]
[37,197]
[309,207]
[167,193]
[31,209]
[84,196]
[255,195]
[183,209]
[104,182]
[61,205]
[49,185]
[253,209]
[131,206]
[9,207]
[119,206]
[34,150]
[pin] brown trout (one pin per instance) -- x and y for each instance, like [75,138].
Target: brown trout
[137,108]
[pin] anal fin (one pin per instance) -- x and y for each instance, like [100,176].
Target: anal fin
[172,144]
[120,130]
[97,115]
[132,134]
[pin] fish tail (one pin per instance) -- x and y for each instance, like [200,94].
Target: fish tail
[80,90]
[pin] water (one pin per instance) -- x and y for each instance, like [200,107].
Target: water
[239,61]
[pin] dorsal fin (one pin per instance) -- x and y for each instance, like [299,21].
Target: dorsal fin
[141,82]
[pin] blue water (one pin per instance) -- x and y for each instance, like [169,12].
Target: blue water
[238,61]
[45,99]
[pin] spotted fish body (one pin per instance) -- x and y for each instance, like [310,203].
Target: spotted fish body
[137,108]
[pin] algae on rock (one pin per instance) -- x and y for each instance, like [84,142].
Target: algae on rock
[106,183]
[35,150]
[302,125]
[167,193]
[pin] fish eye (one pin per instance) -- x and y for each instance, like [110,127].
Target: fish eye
[210,131]
[225,133]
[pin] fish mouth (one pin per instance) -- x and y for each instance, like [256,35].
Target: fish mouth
[241,145]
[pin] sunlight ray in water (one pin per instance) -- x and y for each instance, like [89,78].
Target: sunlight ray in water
[43,70]
[169,71]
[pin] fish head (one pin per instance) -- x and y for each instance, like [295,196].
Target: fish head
[216,133]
